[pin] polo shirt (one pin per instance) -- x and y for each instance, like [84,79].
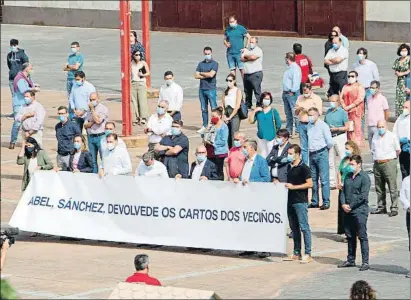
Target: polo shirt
[72,60]
[236,38]
[207,66]
[144,278]
[297,175]
[336,118]
[377,104]
[181,159]
[65,134]
[385,147]
[251,67]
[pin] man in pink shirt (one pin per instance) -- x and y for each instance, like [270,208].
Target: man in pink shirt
[377,109]
[236,159]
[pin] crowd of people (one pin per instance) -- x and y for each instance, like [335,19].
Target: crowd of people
[328,155]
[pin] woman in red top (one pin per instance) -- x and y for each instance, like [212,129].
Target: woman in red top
[352,100]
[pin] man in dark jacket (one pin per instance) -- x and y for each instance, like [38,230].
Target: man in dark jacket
[202,168]
[15,59]
[354,201]
[277,159]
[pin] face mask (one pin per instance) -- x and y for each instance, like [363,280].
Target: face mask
[333,104]
[150,167]
[160,110]
[290,157]
[350,169]
[79,82]
[266,102]
[30,149]
[14,49]
[27,100]
[108,131]
[372,91]
[62,119]
[111,146]
[405,112]
[252,46]
[279,141]
[233,25]
[169,82]
[307,95]
[73,50]
[381,131]
[201,158]
[175,131]
[245,152]
[336,46]
[360,57]
[311,119]
[207,57]
[94,102]
[214,120]
[77,145]
[237,144]
[352,80]
[347,153]
[404,53]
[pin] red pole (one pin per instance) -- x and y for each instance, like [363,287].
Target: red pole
[145,27]
[125,66]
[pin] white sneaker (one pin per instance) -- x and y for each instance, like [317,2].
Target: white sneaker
[201,130]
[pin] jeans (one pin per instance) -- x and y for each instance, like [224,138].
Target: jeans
[207,96]
[289,104]
[177,116]
[371,131]
[94,146]
[69,86]
[252,82]
[304,143]
[11,86]
[233,61]
[355,225]
[16,125]
[320,169]
[298,220]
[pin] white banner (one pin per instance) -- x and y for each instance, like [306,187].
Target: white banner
[187,213]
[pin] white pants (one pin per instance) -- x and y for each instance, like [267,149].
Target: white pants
[38,136]
[336,154]
[264,147]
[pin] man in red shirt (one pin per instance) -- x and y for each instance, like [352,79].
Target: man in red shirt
[141,274]
[236,159]
[303,61]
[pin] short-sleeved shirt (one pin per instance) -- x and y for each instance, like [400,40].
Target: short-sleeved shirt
[102,112]
[336,118]
[72,60]
[236,38]
[181,158]
[236,160]
[207,66]
[296,176]
[305,65]
[376,107]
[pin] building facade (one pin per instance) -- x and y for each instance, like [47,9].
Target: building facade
[358,19]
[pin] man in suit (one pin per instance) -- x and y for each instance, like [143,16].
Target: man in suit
[202,168]
[277,159]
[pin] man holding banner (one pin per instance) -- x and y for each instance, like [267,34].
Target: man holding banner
[116,160]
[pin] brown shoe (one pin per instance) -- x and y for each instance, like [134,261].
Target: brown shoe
[292,258]
[11,146]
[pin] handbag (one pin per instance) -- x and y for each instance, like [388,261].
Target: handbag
[243,110]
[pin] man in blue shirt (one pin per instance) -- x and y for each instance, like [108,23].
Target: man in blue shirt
[234,41]
[206,72]
[319,143]
[291,90]
[74,63]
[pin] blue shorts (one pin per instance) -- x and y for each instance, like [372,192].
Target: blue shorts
[234,61]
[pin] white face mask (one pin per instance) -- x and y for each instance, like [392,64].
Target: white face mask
[307,95]
[352,80]
[266,102]
[404,53]
[111,146]
[169,82]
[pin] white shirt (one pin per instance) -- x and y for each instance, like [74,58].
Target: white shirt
[248,165]
[135,67]
[405,192]
[157,169]
[116,161]
[32,166]
[342,53]
[231,98]
[402,127]
[367,72]
[385,147]
[251,67]
[173,94]
[159,127]
[198,169]
[120,143]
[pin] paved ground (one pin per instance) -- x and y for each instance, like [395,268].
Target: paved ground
[48,268]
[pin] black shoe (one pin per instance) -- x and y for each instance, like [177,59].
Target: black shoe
[393,214]
[379,211]
[365,267]
[324,207]
[347,264]
[313,206]
[264,255]
[247,253]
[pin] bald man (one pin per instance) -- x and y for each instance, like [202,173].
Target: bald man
[96,119]
[344,39]
[385,149]
[202,168]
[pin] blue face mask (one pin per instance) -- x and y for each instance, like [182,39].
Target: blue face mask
[62,119]
[79,82]
[74,50]
[30,149]
[311,119]
[237,144]
[77,145]
[360,57]
[201,157]
[207,57]
[350,169]
[333,104]
[233,25]
[108,131]
[372,92]
[14,49]
[245,152]
[347,153]
[290,157]
[336,46]
[381,131]
[160,110]
[27,100]
[279,141]
[175,131]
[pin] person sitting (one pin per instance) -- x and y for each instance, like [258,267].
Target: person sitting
[148,167]
[277,159]
[141,263]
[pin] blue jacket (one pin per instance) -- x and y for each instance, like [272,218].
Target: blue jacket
[220,141]
[209,170]
[259,171]
[85,163]
[279,159]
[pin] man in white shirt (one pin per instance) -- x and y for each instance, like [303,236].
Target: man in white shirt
[110,128]
[402,132]
[253,71]
[337,60]
[405,200]
[159,125]
[116,160]
[385,150]
[148,167]
[173,93]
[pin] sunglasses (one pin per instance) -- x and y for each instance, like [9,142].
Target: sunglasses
[135,55]
[229,80]
[351,76]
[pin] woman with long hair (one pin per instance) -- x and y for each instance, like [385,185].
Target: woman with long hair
[139,72]
[33,158]
[402,70]
[80,159]
[135,45]
[231,103]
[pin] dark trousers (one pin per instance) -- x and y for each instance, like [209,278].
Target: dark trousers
[337,82]
[233,125]
[407,221]
[356,226]
[404,164]
[219,162]
[252,83]
[79,121]
[176,116]
[340,223]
